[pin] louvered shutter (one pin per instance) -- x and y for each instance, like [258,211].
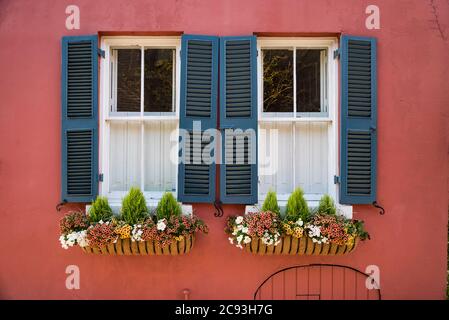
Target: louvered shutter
[79,119]
[199,77]
[238,119]
[358,120]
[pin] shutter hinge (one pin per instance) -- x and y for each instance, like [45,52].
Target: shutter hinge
[100,177]
[336,53]
[101,53]
[336,179]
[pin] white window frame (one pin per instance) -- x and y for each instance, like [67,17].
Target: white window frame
[331,118]
[106,117]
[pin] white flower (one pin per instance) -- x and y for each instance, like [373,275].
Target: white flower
[299,222]
[136,233]
[100,222]
[82,239]
[231,240]
[63,242]
[239,246]
[239,220]
[161,225]
[247,239]
[239,227]
[245,229]
[73,238]
[239,238]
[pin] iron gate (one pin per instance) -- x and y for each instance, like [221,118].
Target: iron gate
[317,282]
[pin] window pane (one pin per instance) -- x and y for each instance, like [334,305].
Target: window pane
[279,151]
[275,158]
[311,157]
[124,157]
[277,80]
[159,77]
[128,80]
[308,80]
[160,171]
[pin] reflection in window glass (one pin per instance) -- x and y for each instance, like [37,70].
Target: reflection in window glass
[159,77]
[278,80]
[128,80]
[308,80]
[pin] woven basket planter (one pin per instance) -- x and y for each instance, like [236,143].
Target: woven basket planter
[299,246]
[128,247]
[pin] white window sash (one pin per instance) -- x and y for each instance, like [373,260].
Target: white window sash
[106,116]
[328,116]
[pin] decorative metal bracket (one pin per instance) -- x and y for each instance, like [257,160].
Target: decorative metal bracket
[382,210]
[218,209]
[59,205]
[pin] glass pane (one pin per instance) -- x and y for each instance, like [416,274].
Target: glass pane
[159,79]
[124,156]
[276,158]
[128,80]
[308,80]
[311,157]
[277,80]
[160,170]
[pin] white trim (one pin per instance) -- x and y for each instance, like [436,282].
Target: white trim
[106,117]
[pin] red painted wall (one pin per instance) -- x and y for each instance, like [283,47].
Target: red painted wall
[408,243]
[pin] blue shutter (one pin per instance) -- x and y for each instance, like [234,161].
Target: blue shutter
[79,119]
[199,77]
[238,119]
[358,120]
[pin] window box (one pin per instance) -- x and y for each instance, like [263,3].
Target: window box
[299,246]
[135,231]
[300,230]
[128,247]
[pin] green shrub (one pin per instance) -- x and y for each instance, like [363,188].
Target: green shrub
[100,210]
[327,205]
[134,207]
[271,203]
[297,206]
[167,207]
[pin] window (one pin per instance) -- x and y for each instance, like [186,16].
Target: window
[140,116]
[297,135]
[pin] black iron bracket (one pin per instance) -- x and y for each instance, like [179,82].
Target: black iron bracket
[218,209]
[59,205]
[382,210]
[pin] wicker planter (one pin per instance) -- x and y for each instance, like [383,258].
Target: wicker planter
[299,246]
[128,247]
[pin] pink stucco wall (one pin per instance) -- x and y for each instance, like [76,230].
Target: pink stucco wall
[408,243]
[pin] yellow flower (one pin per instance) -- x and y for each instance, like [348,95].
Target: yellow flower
[298,232]
[124,231]
[350,240]
[179,238]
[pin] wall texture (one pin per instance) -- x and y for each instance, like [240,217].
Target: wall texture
[408,242]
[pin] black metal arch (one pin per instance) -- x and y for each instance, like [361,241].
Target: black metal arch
[258,290]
